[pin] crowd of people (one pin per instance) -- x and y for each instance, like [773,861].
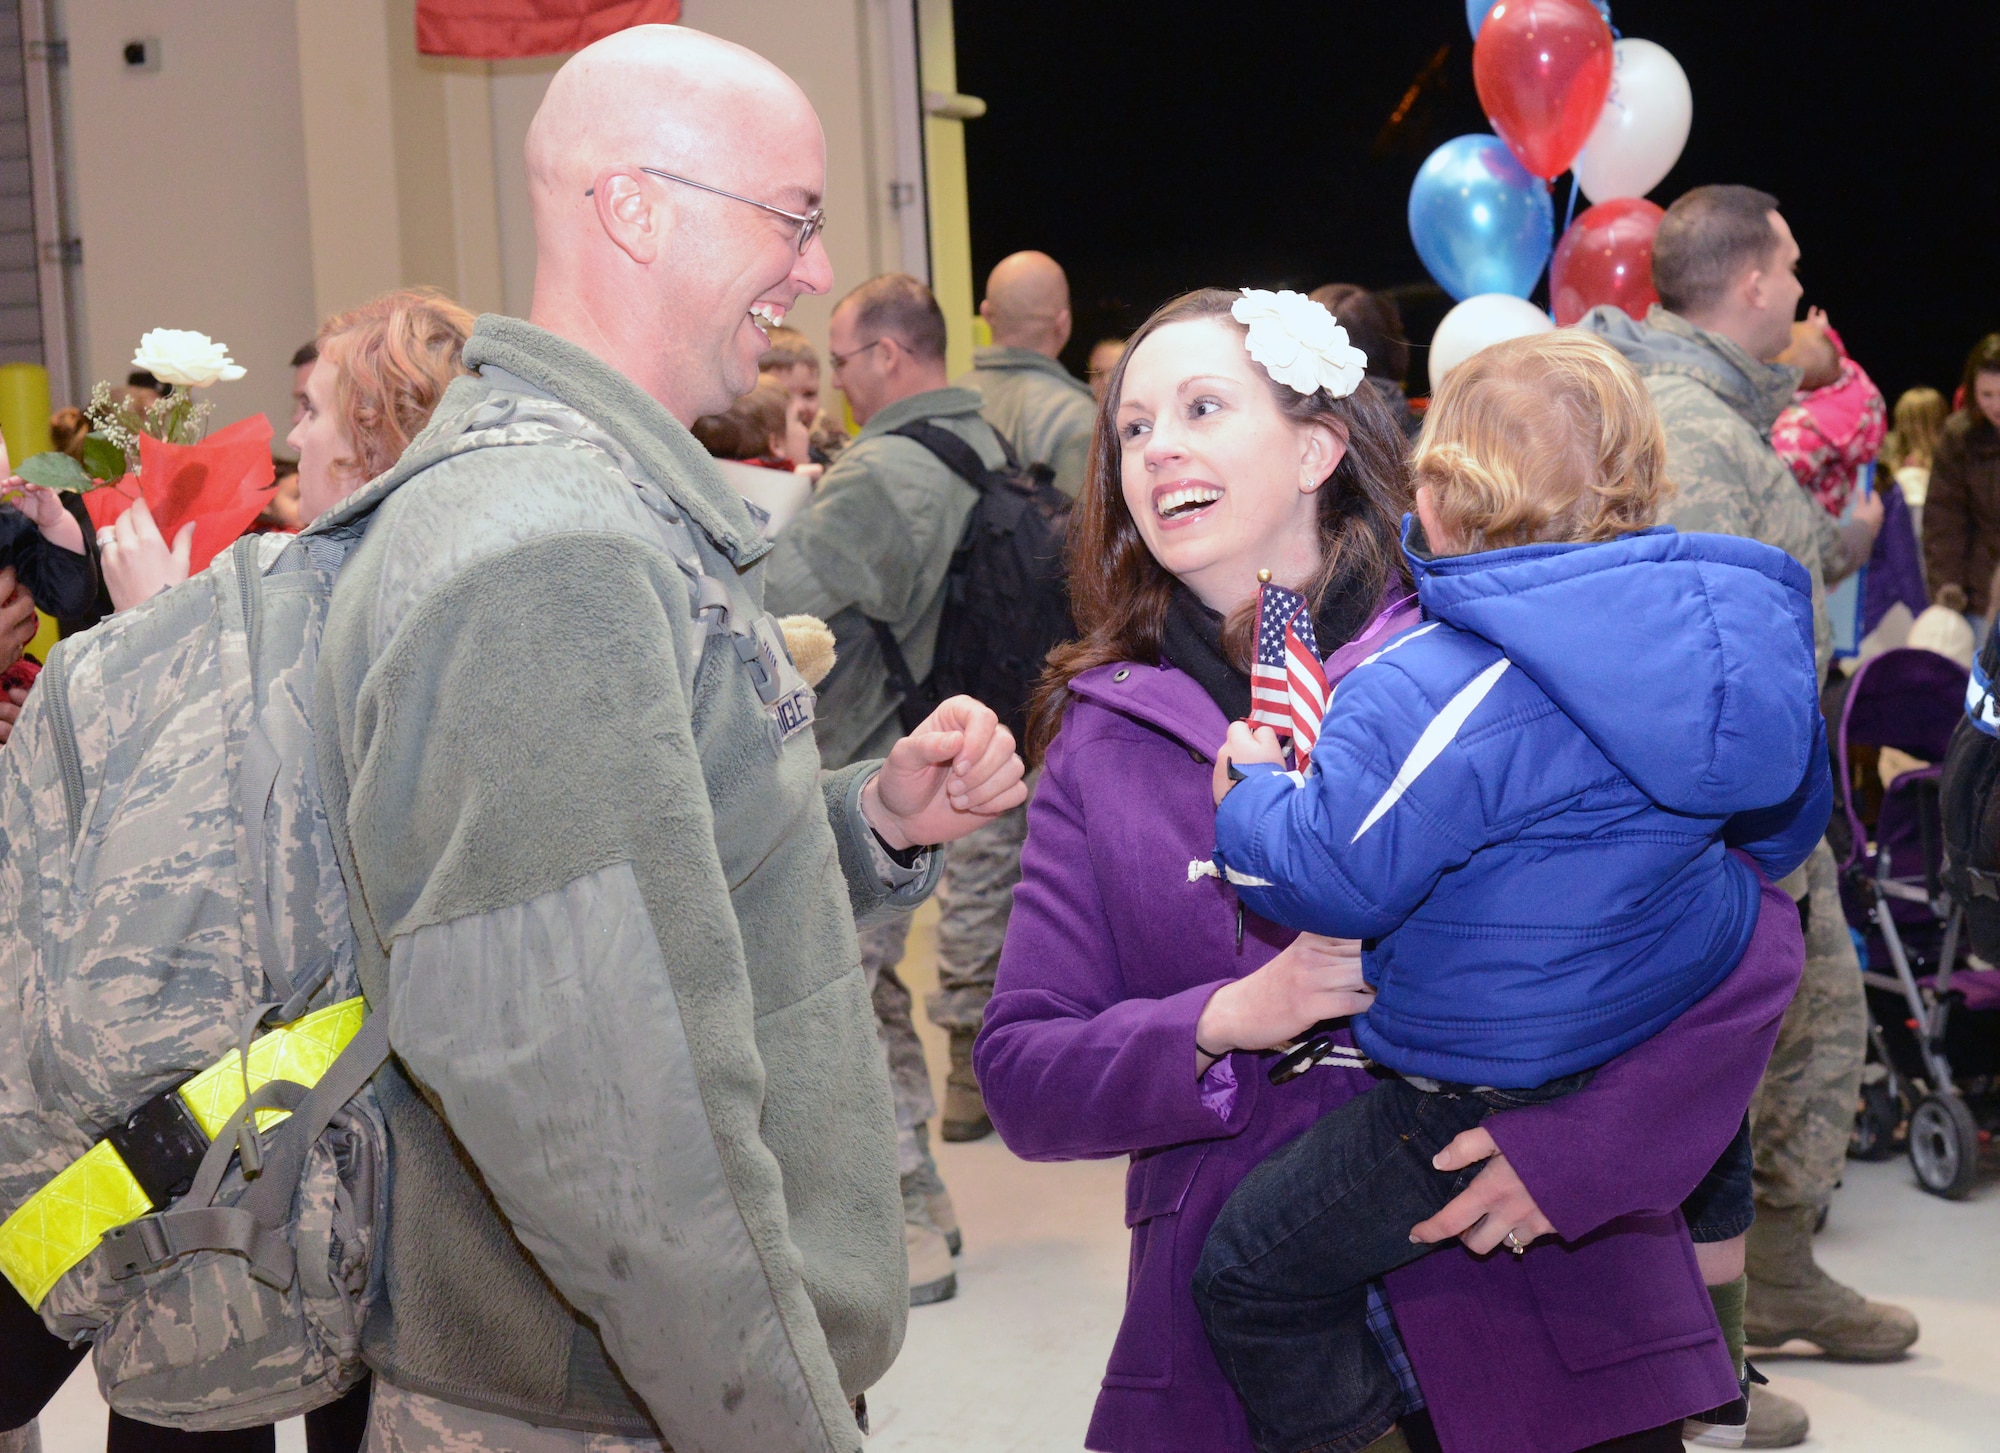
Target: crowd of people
[629,743]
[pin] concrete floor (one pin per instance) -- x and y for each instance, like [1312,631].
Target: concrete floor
[1011,1365]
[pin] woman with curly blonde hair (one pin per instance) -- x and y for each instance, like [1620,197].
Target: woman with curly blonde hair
[382,369]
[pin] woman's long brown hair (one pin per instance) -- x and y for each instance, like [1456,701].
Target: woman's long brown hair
[1119,592]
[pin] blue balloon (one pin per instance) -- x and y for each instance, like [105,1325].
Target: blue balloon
[1476,12]
[1481,223]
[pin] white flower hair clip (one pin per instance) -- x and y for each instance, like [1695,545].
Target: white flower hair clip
[1299,343]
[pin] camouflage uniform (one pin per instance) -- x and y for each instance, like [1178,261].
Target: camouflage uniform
[930,1231]
[876,543]
[975,897]
[1040,407]
[882,946]
[1804,1110]
[1718,405]
[409,1422]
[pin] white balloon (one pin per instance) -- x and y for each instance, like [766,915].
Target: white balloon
[1644,126]
[1480,322]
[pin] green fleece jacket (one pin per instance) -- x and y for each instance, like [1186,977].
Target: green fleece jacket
[643,1161]
[1040,407]
[876,543]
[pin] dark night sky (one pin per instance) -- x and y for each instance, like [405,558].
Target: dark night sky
[1159,146]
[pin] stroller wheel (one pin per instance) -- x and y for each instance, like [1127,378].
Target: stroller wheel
[1876,1124]
[1944,1146]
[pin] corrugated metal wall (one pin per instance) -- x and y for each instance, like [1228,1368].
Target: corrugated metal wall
[20,300]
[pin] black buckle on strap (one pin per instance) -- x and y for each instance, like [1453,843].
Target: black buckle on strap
[135,1247]
[162,1146]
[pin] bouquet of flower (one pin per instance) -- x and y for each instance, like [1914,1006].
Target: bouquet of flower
[162,453]
[183,360]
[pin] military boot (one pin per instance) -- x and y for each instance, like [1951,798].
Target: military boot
[1775,1421]
[927,1202]
[964,1109]
[931,1276]
[944,1216]
[1791,1297]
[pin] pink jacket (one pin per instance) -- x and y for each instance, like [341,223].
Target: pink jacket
[1827,434]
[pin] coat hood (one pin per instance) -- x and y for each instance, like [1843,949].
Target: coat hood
[1667,343]
[1686,659]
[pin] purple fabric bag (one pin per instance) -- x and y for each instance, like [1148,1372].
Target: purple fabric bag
[1896,567]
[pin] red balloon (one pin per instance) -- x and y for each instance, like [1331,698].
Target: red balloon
[1543,69]
[1606,257]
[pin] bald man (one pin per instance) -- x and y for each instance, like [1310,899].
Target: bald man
[1041,409]
[644,1167]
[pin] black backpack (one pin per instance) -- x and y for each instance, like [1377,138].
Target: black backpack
[1006,603]
[1969,793]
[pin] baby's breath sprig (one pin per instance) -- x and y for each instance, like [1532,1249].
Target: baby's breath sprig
[115,421]
[179,418]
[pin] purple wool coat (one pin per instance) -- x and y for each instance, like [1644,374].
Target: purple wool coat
[1119,935]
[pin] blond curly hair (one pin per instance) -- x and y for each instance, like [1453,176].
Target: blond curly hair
[1541,440]
[394,357]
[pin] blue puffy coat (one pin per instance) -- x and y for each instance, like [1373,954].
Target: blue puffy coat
[1527,802]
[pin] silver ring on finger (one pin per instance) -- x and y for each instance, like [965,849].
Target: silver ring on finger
[1514,1244]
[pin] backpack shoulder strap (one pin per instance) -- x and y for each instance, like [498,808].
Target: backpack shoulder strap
[957,454]
[913,703]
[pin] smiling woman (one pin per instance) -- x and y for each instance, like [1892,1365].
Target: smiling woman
[1205,470]
[1136,986]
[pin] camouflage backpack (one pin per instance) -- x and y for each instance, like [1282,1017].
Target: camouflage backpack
[181,962]
[182,939]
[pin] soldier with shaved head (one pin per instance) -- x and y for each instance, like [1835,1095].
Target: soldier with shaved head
[1043,410]
[644,1187]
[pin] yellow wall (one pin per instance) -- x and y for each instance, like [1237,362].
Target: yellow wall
[945,184]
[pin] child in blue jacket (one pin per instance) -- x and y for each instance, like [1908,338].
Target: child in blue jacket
[1526,808]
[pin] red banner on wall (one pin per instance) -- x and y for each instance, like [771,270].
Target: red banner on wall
[498,30]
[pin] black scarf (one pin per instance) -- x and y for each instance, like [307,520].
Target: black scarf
[1191,637]
[1192,640]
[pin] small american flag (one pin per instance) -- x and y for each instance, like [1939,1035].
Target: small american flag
[1288,690]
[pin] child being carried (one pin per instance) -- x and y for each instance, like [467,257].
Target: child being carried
[1527,805]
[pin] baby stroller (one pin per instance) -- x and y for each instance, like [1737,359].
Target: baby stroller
[1931,1042]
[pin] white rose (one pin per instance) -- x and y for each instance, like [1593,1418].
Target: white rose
[1299,343]
[193,360]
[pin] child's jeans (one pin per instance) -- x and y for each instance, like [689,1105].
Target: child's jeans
[1283,1281]
[1723,1205]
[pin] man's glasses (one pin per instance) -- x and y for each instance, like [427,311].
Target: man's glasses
[841,360]
[809,223]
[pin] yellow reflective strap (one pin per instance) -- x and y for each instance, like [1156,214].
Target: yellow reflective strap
[300,1052]
[39,1242]
[62,1223]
